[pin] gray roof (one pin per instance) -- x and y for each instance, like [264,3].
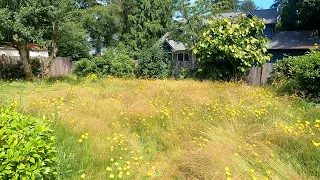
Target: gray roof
[294,40]
[269,15]
[176,46]
[230,15]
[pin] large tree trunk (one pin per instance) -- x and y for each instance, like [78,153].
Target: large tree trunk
[54,45]
[24,56]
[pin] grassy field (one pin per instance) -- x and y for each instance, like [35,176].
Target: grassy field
[166,129]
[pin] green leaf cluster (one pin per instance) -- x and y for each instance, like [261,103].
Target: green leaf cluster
[302,73]
[298,14]
[236,44]
[26,147]
[153,63]
[114,62]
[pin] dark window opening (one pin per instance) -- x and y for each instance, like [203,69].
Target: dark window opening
[180,57]
[186,57]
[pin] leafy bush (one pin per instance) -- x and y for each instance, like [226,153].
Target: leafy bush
[13,71]
[84,67]
[300,74]
[114,62]
[236,44]
[153,63]
[36,66]
[26,147]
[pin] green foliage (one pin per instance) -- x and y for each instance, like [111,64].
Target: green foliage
[230,46]
[15,71]
[144,22]
[153,63]
[103,24]
[247,6]
[26,147]
[73,41]
[36,65]
[114,62]
[84,67]
[299,74]
[298,14]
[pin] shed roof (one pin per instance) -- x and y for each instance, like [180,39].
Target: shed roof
[176,46]
[269,15]
[294,40]
[32,46]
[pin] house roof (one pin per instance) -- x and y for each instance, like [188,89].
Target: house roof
[230,15]
[32,46]
[176,46]
[269,15]
[294,40]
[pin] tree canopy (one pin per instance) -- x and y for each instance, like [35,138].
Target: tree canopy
[230,46]
[298,14]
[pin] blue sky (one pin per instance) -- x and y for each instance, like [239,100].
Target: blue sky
[265,4]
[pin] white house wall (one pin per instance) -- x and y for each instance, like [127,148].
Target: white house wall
[15,53]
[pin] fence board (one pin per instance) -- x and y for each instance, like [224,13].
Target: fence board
[60,66]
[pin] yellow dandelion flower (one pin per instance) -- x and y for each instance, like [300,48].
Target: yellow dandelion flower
[149,173]
[315,143]
[268,172]
[80,140]
[227,168]
[252,170]
[109,169]
[127,173]
[111,176]
[83,176]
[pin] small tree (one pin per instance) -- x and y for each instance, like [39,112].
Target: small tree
[23,22]
[234,44]
[153,63]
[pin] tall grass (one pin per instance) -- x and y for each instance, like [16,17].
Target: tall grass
[166,129]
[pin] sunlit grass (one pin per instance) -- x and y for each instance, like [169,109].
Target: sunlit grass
[166,129]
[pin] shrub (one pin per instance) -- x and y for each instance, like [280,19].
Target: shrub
[233,44]
[114,62]
[36,66]
[153,63]
[302,73]
[84,67]
[26,147]
[13,71]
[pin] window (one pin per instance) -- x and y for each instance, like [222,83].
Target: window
[180,57]
[186,57]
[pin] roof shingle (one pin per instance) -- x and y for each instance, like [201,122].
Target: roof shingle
[294,40]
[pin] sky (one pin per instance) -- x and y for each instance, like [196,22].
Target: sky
[265,4]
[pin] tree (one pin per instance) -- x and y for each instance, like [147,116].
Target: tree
[153,63]
[104,25]
[298,14]
[66,33]
[247,6]
[191,20]
[144,22]
[23,22]
[230,46]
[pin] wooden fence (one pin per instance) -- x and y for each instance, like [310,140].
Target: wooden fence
[257,76]
[60,66]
